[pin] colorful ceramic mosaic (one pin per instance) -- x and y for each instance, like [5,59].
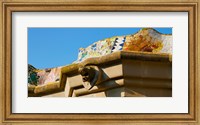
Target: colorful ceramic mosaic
[102,47]
[119,42]
[146,40]
[32,75]
[41,77]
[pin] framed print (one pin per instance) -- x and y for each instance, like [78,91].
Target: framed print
[99,62]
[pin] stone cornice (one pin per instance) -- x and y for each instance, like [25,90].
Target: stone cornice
[103,60]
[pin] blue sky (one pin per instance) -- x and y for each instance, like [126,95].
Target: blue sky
[53,47]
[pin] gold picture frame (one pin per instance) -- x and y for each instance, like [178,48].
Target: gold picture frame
[9,6]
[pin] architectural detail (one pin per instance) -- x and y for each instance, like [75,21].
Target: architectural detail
[146,40]
[122,66]
[91,75]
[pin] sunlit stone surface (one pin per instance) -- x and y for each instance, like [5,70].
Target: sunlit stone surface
[146,40]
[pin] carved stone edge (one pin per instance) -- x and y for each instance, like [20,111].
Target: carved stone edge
[113,57]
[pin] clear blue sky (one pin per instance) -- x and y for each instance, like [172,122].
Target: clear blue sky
[52,47]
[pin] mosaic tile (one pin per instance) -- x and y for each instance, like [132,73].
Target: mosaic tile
[146,40]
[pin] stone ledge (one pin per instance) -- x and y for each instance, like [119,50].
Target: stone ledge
[103,60]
